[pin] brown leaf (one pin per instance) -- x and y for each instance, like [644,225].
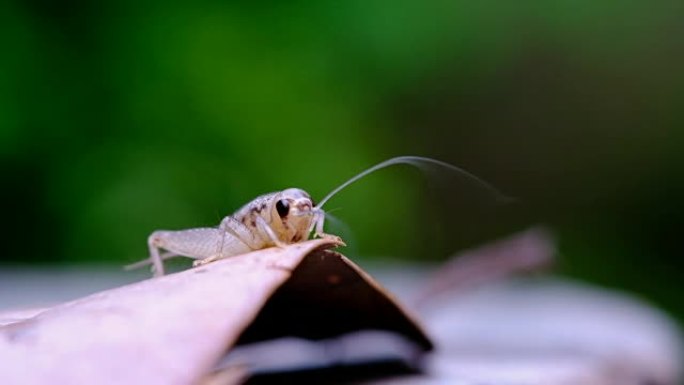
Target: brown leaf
[174,329]
[528,251]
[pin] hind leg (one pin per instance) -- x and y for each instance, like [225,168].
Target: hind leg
[155,242]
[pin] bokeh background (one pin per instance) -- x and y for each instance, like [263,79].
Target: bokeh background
[121,117]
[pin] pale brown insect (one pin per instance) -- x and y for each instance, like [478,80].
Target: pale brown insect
[275,219]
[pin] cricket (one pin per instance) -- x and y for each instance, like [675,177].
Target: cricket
[276,219]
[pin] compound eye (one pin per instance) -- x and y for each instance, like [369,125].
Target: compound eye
[283,207]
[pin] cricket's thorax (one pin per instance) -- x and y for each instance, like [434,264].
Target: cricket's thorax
[288,213]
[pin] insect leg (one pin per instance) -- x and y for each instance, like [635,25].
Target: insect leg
[264,227]
[319,221]
[239,240]
[145,262]
[201,262]
[154,244]
[198,243]
[231,226]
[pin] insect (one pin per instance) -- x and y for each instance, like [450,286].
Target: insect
[276,219]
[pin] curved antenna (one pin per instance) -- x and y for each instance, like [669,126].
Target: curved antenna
[415,161]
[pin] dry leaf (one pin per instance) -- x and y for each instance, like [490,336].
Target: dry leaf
[174,329]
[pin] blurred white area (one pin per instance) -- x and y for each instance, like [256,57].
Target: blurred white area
[31,287]
[518,331]
[543,331]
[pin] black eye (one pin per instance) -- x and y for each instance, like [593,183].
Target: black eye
[283,208]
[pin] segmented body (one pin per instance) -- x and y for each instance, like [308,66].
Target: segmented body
[273,219]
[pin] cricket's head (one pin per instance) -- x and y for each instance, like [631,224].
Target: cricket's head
[295,208]
[293,202]
[297,214]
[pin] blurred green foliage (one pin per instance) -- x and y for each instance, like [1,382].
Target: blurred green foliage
[119,118]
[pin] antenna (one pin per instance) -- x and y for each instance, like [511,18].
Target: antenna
[416,161]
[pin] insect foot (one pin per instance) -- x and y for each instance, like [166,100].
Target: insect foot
[202,262]
[334,238]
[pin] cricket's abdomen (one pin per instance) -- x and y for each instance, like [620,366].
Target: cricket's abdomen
[201,243]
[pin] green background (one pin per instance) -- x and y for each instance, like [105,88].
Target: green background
[120,117]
